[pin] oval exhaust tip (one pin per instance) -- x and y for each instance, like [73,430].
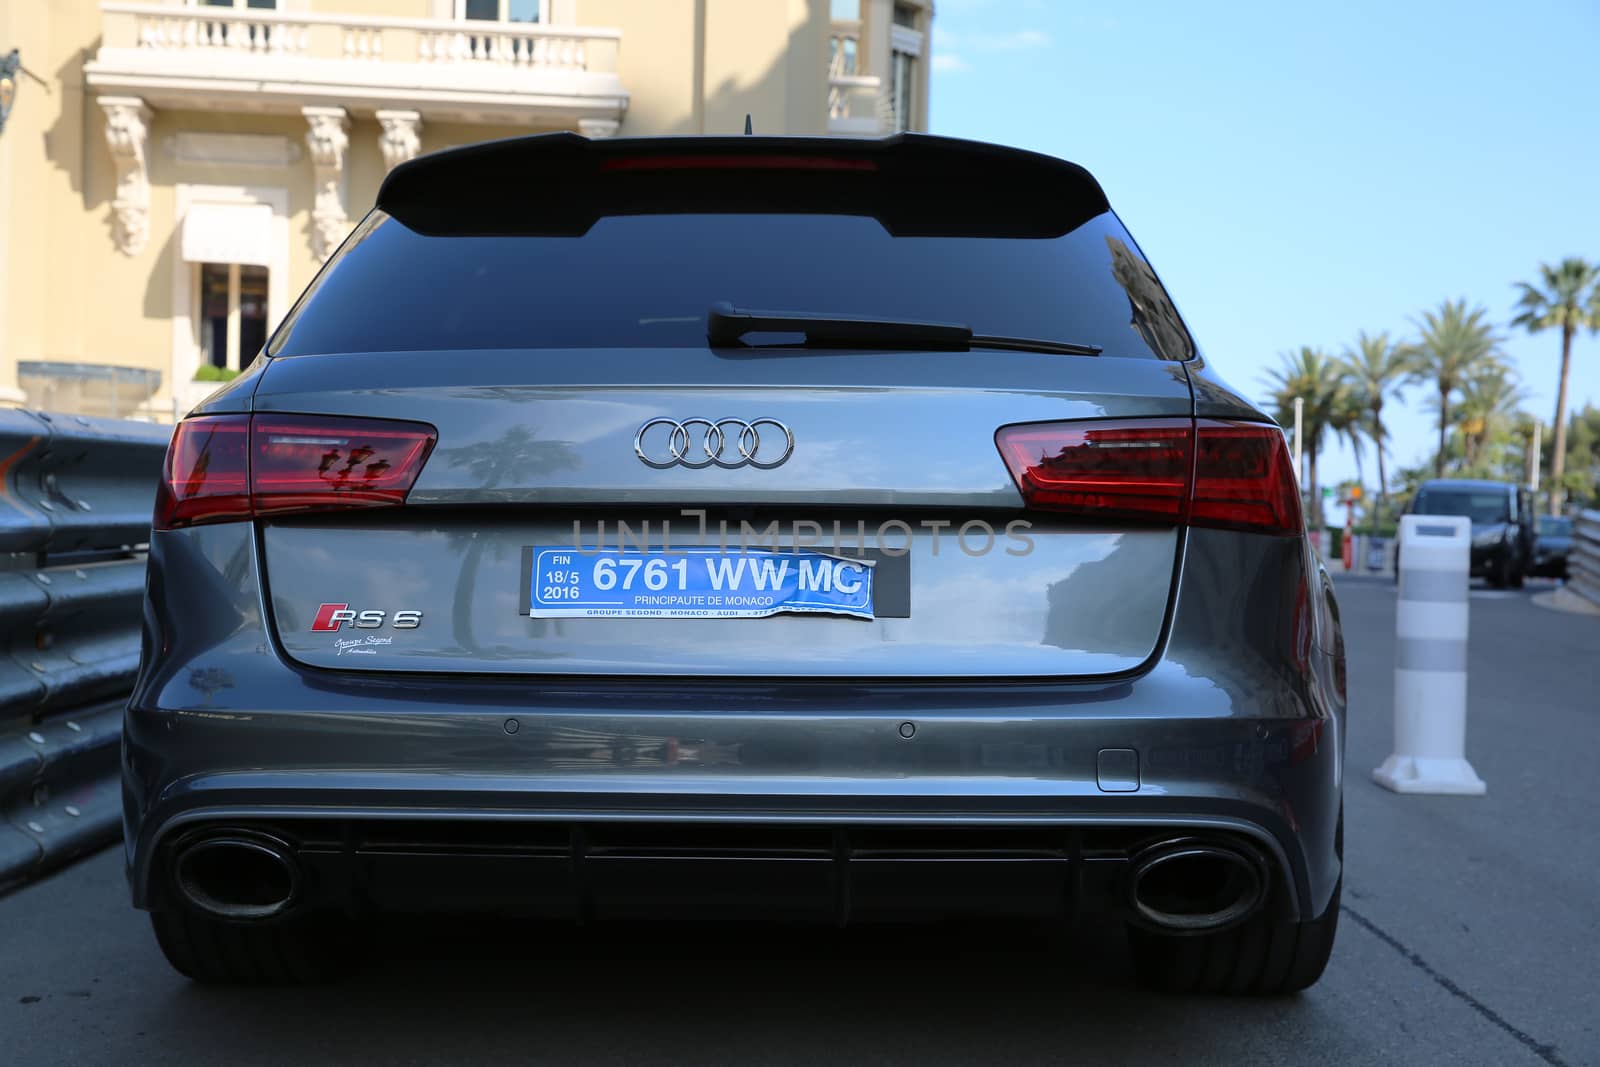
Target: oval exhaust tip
[237,875]
[1196,887]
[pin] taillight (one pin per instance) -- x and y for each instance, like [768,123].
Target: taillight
[1230,475]
[1244,479]
[207,472]
[301,462]
[1113,470]
[222,468]
[738,162]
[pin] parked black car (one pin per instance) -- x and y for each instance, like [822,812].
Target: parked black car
[1551,546]
[1502,525]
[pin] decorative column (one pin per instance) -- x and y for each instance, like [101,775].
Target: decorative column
[595,129]
[328,137]
[127,133]
[875,56]
[400,139]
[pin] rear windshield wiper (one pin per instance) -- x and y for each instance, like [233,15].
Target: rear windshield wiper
[727,326]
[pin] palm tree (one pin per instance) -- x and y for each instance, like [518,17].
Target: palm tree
[1569,298]
[1348,421]
[1454,341]
[1490,396]
[1374,369]
[1313,376]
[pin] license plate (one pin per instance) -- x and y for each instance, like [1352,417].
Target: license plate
[695,583]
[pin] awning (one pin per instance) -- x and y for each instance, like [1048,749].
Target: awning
[228,233]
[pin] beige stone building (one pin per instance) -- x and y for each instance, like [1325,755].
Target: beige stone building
[173,172]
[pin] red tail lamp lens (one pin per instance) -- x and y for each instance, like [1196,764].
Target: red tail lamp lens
[1127,470]
[1226,475]
[299,463]
[738,162]
[1244,479]
[226,468]
[207,473]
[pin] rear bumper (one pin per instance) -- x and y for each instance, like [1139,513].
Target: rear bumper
[659,864]
[1007,771]
[1006,763]
[494,783]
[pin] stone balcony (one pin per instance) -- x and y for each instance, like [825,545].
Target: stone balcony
[526,75]
[856,106]
[403,72]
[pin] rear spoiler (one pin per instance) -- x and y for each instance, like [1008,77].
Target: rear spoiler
[560,184]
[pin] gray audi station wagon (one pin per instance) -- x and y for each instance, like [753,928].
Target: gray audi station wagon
[736,527]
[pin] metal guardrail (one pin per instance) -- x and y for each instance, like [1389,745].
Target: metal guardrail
[75,500]
[1583,563]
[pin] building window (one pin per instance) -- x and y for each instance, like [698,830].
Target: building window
[843,45]
[233,313]
[905,52]
[902,89]
[504,10]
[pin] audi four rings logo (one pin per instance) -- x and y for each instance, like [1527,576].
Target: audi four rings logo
[728,443]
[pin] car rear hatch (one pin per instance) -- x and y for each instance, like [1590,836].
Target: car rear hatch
[542,307]
[544,457]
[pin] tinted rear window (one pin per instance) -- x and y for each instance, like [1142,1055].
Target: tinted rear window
[1483,505]
[648,280]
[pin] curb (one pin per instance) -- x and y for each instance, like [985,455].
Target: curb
[1566,600]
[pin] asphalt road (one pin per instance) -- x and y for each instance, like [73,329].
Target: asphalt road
[1470,936]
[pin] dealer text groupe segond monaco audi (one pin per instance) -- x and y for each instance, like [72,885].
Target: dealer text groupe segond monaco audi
[736,527]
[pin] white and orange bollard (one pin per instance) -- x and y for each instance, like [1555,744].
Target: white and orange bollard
[1430,667]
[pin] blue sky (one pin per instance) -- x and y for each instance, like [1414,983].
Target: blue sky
[1300,172]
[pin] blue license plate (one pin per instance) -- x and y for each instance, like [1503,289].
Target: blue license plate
[695,583]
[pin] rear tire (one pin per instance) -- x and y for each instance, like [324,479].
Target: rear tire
[1260,957]
[211,951]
